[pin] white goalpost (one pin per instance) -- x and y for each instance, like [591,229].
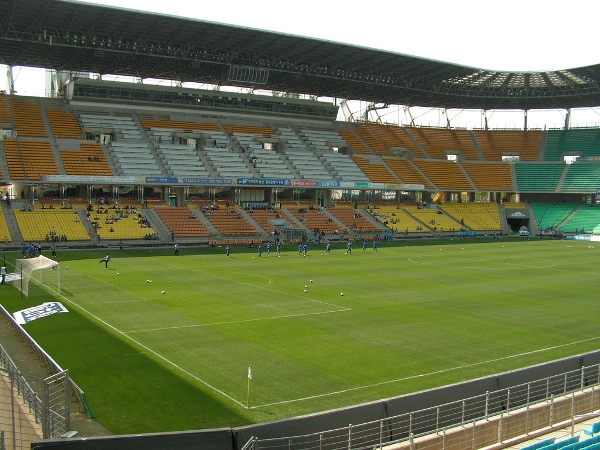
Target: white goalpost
[36,268]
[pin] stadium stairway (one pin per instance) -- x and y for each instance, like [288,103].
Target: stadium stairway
[263,233]
[13,227]
[51,138]
[150,142]
[3,164]
[480,154]
[159,227]
[207,223]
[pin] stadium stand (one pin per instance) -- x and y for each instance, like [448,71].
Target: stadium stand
[549,216]
[182,222]
[90,160]
[29,159]
[490,176]
[5,235]
[64,124]
[121,224]
[476,216]
[377,173]
[580,141]
[407,172]
[445,175]
[580,176]
[27,117]
[584,219]
[538,176]
[397,219]
[498,143]
[373,140]
[37,226]
[439,142]
[354,142]
[353,219]
[231,222]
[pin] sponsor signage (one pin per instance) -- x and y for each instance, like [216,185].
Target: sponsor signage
[262,182]
[91,179]
[517,213]
[37,312]
[162,180]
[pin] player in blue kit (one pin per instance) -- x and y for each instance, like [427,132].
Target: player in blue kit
[375,244]
[365,245]
[305,249]
[269,249]
[228,250]
[260,250]
[279,248]
[328,251]
[349,248]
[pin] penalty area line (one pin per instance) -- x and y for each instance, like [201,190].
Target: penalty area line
[436,372]
[158,355]
[237,321]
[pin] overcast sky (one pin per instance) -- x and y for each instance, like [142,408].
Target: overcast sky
[507,35]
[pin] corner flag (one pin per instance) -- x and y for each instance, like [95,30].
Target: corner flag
[248,396]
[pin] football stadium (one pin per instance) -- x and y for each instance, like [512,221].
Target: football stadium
[236,257]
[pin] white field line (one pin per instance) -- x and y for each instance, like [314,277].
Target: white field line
[155,353]
[237,321]
[480,363]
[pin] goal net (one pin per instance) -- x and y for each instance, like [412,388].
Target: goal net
[43,270]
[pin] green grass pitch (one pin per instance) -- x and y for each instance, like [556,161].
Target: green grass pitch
[413,316]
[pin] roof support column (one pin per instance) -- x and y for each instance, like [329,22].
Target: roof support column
[10,82]
[525,120]
[568,119]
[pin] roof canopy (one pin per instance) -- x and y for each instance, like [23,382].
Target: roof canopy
[71,36]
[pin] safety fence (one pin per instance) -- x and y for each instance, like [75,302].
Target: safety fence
[472,422]
[47,360]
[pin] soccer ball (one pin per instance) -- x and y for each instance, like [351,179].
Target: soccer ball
[148,281]
[280,256]
[305,291]
[67,267]
[342,294]
[253,257]
[163,292]
[311,281]
[321,254]
[118,274]
[305,287]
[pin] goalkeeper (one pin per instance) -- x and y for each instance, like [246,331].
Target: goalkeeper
[105,260]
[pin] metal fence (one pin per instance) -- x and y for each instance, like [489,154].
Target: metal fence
[30,407]
[504,413]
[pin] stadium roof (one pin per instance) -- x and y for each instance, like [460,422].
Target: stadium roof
[71,36]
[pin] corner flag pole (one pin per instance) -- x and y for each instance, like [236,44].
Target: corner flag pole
[249,378]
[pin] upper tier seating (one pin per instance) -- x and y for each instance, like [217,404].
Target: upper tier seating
[496,143]
[407,172]
[180,160]
[134,158]
[538,176]
[581,176]
[438,142]
[27,118]
[29,159]
[354,142]
[343,167]
[90,160]
[64,124]
[490,176]
[444,174]
[377,173]
[582,141]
